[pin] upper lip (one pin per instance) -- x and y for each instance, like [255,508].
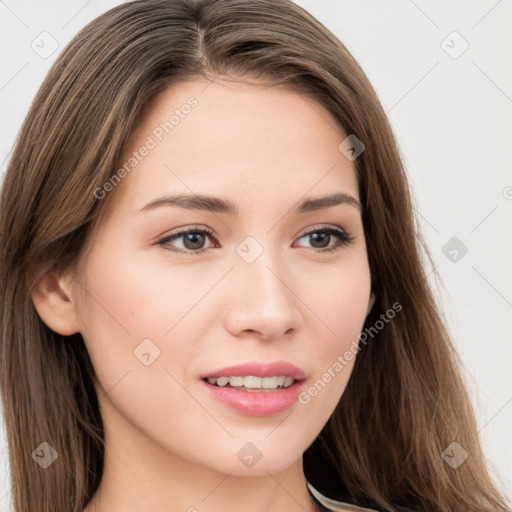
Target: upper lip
[271,369]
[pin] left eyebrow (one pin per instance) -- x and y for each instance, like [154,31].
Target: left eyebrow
[227,207]
[312,204]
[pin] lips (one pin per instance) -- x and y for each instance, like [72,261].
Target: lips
[256,369]
[256,402]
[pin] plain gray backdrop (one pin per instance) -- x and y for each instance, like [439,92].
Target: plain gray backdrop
[443,71]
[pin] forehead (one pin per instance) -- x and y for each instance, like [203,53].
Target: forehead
[235,138]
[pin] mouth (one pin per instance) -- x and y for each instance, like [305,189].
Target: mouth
[252,383]
[256,389]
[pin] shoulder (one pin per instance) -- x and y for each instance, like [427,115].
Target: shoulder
[337,506]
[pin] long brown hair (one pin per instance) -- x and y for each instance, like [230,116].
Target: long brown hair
[405,402]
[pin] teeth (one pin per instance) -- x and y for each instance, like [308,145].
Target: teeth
[269,382]
[222,381]
[236,381]
[251,382]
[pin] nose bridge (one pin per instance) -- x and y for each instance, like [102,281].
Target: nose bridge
[263,277]
[262,300]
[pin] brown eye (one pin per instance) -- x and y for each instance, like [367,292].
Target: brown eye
[193,241]
[320,239]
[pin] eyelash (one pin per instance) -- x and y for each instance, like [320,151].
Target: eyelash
[344,237]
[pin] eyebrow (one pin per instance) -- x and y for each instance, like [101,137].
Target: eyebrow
[228,207]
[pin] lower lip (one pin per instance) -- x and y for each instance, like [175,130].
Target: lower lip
[256,403]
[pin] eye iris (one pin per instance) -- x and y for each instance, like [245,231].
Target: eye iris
[323,238]
[196,239]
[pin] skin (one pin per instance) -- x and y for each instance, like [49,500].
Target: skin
[169,445]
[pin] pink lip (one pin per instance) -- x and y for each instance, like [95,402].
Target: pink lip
[257,403]
[255,369]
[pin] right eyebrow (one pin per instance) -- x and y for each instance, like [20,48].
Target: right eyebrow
[195,202]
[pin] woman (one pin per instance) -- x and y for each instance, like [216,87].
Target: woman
[184,168]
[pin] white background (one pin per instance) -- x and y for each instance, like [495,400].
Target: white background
[452,117]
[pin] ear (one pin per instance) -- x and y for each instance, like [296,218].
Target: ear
[54,303]
[371,302]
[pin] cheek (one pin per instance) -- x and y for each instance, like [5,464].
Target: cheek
[338,296]
[340,304]
[132,311]
[133,298]
[141,312]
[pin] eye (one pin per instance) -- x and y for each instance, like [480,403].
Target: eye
[322,237]
[193,240]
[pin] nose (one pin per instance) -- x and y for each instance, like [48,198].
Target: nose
[261,300]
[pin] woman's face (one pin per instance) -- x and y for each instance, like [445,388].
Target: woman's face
[282,280]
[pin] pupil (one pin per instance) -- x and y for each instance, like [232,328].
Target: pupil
[322,237]
[195,239]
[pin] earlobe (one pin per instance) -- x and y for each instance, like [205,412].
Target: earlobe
[54,303]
